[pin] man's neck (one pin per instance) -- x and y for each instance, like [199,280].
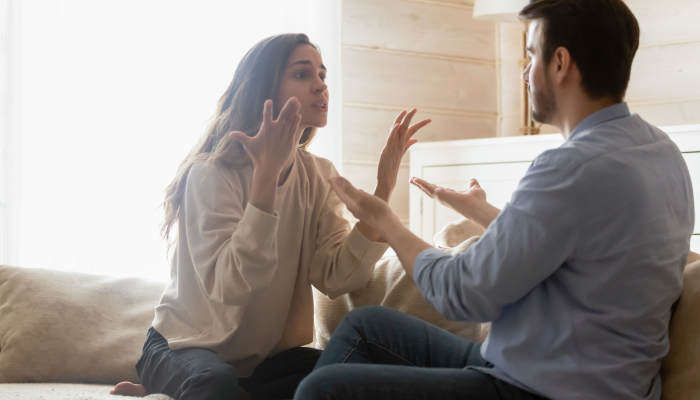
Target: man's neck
[576,110]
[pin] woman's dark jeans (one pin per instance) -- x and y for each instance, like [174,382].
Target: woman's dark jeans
[198,373]
[380,353]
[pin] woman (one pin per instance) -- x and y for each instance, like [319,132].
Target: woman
[258,224]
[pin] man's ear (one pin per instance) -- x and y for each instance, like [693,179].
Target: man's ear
[561,64]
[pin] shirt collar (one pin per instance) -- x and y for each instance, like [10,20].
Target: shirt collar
[619,110]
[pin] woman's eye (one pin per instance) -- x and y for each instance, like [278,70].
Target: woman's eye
[323,77]
[301,75]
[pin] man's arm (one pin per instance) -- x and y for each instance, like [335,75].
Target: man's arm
[528,241]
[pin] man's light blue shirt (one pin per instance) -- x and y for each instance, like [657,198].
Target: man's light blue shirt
[579,271]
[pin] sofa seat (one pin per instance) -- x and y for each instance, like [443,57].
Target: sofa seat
[62,391]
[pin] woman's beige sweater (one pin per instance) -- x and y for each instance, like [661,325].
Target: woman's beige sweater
[240,281]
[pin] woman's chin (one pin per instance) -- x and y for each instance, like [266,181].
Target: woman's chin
[317,123]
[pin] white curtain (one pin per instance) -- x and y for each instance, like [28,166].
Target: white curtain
[105,99]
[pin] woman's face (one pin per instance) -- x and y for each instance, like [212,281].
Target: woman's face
[304,79]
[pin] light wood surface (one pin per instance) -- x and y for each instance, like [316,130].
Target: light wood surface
[417,27]
[683,113]
[663,21]
[365,130]
[665,73]
[421,82]
[425,54]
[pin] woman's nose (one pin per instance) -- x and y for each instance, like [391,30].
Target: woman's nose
[322,87]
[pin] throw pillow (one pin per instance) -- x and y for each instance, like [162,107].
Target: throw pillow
[69,327]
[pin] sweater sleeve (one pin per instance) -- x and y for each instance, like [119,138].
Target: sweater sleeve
[233,249]
[344,259]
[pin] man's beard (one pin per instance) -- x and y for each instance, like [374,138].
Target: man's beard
[543,103]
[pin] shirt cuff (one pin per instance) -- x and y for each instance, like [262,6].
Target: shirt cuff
[257,225]
[425,261]
[363,248]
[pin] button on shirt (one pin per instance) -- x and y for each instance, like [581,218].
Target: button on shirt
[579,271]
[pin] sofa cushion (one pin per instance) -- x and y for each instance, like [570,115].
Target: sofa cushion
[69,327]
[680,370]
[391,287]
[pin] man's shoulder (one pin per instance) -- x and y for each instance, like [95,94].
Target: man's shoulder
[617,138]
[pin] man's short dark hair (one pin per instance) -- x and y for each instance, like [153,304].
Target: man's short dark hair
[602,37]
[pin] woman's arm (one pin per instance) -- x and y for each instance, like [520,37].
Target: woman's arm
[399,140]
[344,258]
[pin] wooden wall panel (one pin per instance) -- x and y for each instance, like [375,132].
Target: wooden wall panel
[365,130]
[468,3]
[417,27]
[665,73]
[663,21]
[418,82]
[685,113]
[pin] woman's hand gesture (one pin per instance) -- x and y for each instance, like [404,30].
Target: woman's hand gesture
[271,148]
[400,139]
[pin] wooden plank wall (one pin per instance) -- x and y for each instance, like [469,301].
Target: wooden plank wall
[402,54]
[665,84]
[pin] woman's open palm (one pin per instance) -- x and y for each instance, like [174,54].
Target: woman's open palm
[271,147]
[399,140]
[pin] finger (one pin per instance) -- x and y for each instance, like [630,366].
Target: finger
[294,128]
[267,111]
[416,127]
[406,123]
[426,185]
[287,121]
[410,143]
[473,183]
[399,118]
[288,106]
[242,138]
[294,112]
[417,183]
[421,189]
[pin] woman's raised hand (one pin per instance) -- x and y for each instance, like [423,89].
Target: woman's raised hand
[400,139]
[271,148]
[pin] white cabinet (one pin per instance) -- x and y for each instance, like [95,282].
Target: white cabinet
[499,164]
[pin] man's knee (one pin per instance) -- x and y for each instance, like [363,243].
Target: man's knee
[364,314]
[318,385]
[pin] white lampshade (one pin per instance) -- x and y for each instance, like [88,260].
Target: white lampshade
[498,10]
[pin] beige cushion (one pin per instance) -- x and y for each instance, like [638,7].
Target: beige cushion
[69,327]
[390,287]
[680,370]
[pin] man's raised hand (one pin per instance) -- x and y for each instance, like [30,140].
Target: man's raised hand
[470,203]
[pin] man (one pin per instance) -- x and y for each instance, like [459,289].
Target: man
[577,274]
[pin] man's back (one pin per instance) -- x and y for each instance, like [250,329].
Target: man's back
[596,325]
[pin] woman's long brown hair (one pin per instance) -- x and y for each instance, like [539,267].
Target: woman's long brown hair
[240,108]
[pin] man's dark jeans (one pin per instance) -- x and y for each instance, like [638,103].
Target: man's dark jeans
[197,373]
[380,353]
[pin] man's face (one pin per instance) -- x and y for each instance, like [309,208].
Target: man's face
[540,85]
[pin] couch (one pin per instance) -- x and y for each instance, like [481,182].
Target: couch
[73,336]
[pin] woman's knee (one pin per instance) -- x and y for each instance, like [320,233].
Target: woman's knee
[221,379]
